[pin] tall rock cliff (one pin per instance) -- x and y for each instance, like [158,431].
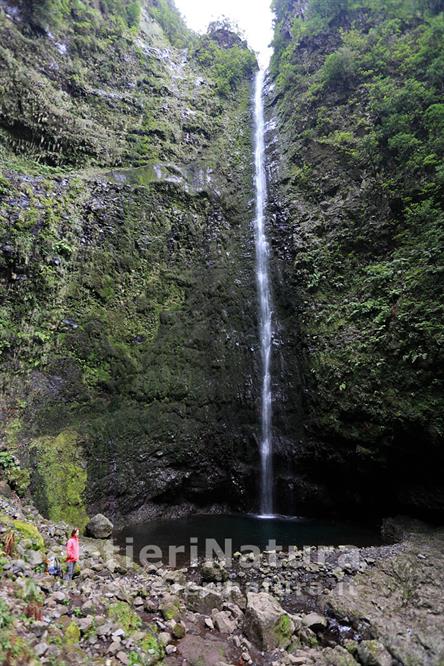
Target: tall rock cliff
[128,311]
[356,112]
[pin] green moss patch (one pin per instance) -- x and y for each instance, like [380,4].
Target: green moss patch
[61,478]
[121,613]
[72,634]
[284,630]
[24,530]
[152,650]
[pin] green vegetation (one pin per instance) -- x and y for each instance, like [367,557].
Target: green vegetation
[49,13]
[361,107]
[72,634]
[16,477]
[61,477]
[32,593]
[171,610]
[121,613]
[171,22]
[6,617]
[24,532]
[339,69]
[14,649]
[327,16]
[284,630]
[133,13]
[228,66]
[151,650]
[58,14]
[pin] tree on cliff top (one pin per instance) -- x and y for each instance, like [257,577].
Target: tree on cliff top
[226,54]
[226,33]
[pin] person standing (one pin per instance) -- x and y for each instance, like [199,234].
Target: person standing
[72,553]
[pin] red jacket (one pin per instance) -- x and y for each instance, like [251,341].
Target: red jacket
[73,549]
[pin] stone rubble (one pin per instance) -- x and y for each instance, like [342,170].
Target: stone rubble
[115,612]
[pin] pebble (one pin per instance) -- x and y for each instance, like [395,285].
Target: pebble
[119,633]
[116,645]
[164,638]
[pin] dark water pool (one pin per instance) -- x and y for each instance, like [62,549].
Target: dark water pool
[198,535]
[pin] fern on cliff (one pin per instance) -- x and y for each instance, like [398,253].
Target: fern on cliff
[360,99]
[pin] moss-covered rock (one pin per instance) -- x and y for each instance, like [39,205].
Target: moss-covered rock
[24,531]
[71,634]
[178,630]
[152,651]
[170,608]
[283,631]
[61,478]
[265,622]
[123,615]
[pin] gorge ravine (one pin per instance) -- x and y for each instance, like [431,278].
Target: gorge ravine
[130,374]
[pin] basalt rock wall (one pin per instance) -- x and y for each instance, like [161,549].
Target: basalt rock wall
[128,308]
[355,112]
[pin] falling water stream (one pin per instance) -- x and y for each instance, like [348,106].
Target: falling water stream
[238,529]
[263,285]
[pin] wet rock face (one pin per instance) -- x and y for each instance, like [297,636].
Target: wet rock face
[365,385]
[132,280]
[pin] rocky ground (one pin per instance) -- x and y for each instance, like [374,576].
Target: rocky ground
[343,606]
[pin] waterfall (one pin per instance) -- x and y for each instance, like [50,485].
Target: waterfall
[263,286]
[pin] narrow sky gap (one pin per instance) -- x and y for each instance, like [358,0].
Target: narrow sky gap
[254,18]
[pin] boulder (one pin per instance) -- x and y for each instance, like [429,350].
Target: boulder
[235,611]
[179,630]
[234,595]
[6,490]
[18,566]
[373,653]
[99,527]
[266,623]
[164,638]
[213,572]
[34,558]
[338,656]
[203,600]
[314,621]
[40,649]
[170,607]
[224,622]
[398,528]
[174,576]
